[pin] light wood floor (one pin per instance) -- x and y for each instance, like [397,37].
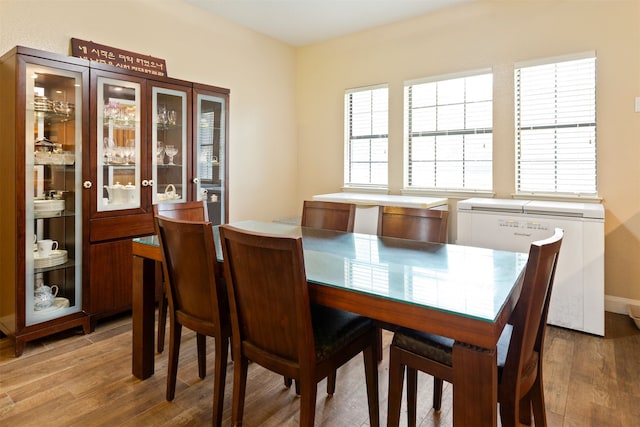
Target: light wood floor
[85,380]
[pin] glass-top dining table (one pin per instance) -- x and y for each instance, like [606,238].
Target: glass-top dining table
[461,292]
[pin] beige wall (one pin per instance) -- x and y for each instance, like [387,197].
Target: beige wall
[286,116]
[491,34]
[258,70]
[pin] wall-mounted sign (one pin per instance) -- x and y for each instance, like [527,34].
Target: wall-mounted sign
[118,57]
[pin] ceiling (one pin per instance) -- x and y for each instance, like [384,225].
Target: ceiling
[302,22]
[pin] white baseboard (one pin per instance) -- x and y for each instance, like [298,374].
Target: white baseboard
[618,304]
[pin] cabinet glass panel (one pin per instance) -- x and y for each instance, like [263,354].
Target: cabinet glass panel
[118,137]
[169,143]
[53,199]
[210,151]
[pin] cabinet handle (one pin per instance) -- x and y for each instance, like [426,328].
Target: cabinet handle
[87,184]
[147,182]
[196,180]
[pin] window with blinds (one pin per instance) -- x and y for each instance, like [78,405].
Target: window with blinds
[366,136]
[556,126]
[448,132]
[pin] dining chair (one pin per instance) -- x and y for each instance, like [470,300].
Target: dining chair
[197,300]
[275,326]
[429,225]
[188,211]
[331,216]
[328,215]
[519,350]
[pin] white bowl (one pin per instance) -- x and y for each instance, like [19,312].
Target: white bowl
[634,313]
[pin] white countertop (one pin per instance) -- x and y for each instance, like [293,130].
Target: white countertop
[365,199]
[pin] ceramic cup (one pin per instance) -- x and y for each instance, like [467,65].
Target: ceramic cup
[45,247]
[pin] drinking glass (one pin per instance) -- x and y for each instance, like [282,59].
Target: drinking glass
[171,151]
[160,152]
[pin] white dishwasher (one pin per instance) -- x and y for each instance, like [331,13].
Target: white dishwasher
[577,300]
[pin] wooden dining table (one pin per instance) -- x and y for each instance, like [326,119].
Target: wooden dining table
[464,293]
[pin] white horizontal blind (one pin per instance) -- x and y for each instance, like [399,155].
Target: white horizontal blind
[366,136]
[556,127]
[448,131]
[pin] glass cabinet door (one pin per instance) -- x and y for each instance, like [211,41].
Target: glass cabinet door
[210,162]
[53,193]
[169,145]
[118,145]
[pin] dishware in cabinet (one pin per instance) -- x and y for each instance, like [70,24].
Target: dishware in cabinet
[211,110]
[170,136]
[41,221]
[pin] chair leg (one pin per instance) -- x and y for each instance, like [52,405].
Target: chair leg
[287,382]
[331,383]
[221,355]
[202,355]
[163,303]
[308,392]
[537,401]
[371,376]
[240,366]
[162,321]
[396,378]
[412,393]
[437,393]
[379,342]
[524,411]
[174,354]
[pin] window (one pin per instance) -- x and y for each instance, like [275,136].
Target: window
[448,132]
[366,136]
[556,126]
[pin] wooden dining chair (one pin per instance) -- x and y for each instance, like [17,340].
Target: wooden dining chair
[275,326]
[196,299]
[520,350]
[188,211]
[428,225]
[328,215]
[331,216]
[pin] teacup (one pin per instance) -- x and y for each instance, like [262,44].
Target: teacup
[45,247]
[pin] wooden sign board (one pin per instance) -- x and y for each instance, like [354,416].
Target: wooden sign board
[118,57]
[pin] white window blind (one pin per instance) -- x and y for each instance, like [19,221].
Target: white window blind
[366,136]
[556,127]
[448,132]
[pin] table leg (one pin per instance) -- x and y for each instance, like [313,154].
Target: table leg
[143,317]
[475,393]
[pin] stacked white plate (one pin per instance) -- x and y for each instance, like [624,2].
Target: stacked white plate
[57,257]
[58,303]
[48,208]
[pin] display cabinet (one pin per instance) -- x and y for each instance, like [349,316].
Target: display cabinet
[44,104]
[87,150]
[211,150]
[156,140]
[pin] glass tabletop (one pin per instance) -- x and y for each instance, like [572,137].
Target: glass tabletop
[467,281]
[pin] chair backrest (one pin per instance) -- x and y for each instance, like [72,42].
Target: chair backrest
[429,225]
[328,215]
[268,299]
[189,266]
[188,211]
[529,317]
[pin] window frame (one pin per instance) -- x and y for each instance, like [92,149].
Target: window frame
[409,134]
[578,126]
[348,138]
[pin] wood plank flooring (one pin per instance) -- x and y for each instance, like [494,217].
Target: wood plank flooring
[85,380]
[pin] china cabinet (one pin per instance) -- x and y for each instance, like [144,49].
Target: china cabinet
[153,140]
[90,148]
[42,128]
